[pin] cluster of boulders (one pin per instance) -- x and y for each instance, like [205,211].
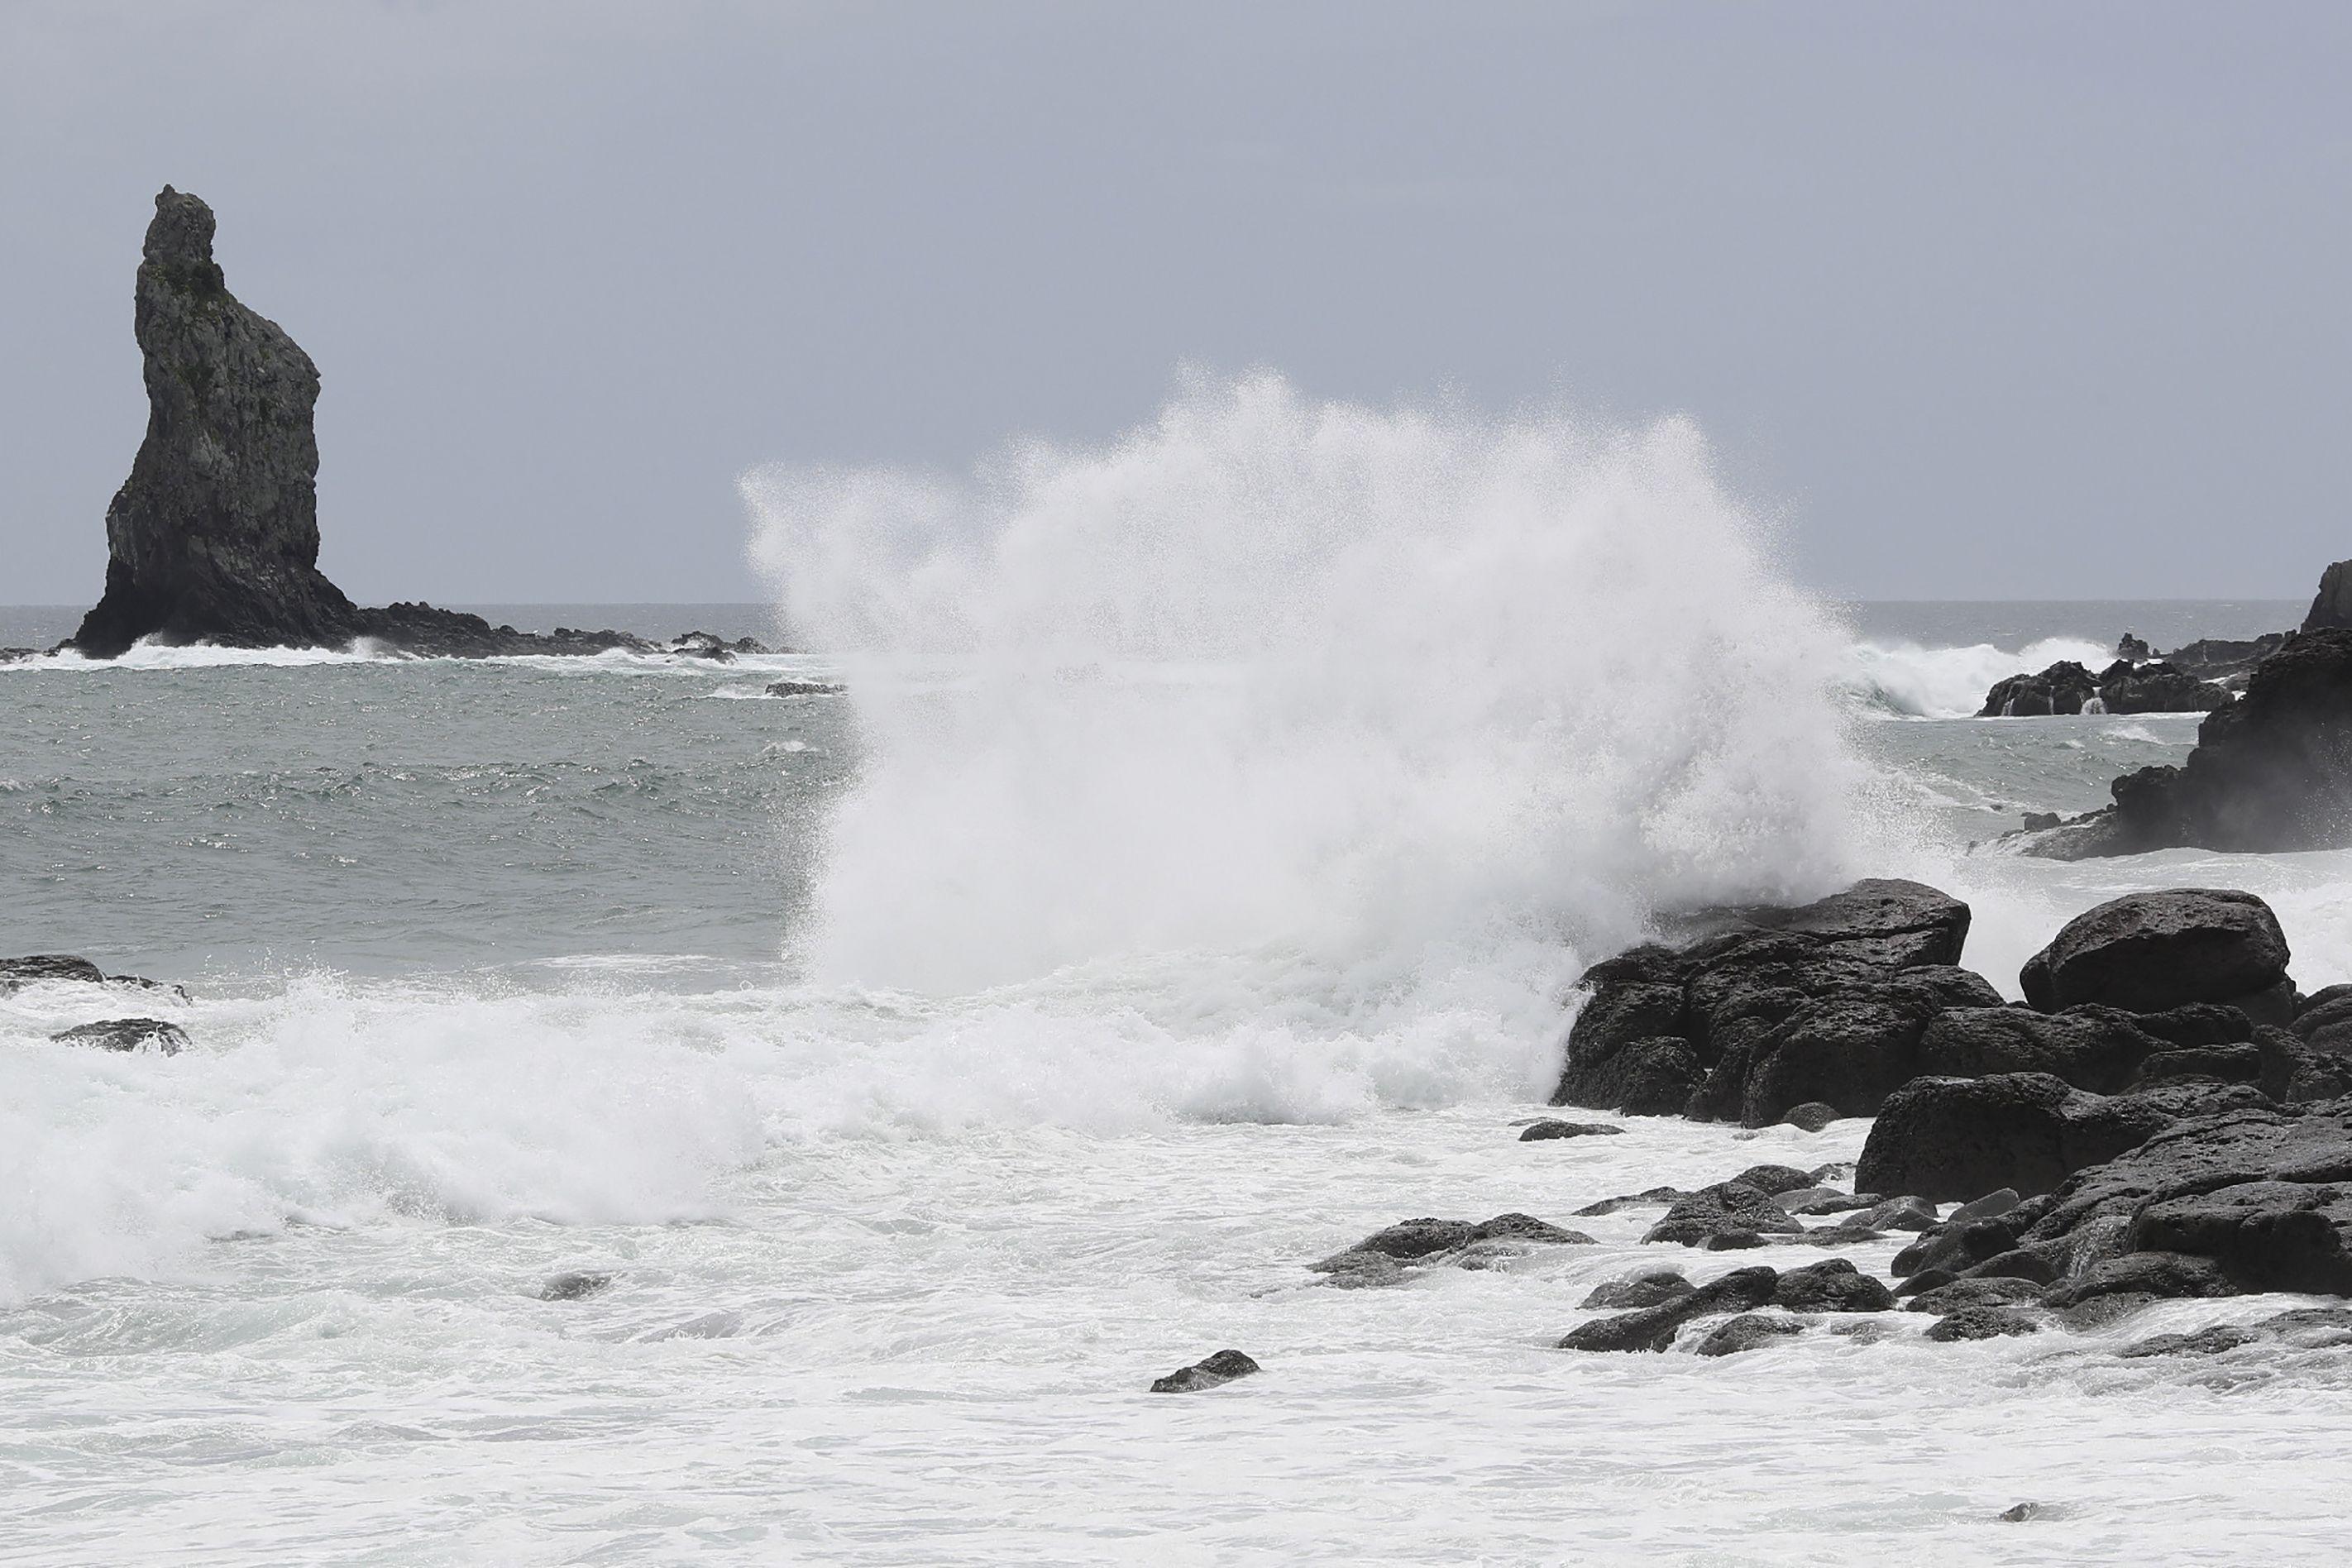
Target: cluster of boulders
[2165,686]
[156,1035]
[2164,1114]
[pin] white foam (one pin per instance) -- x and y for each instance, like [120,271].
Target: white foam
[1274,671]
[1915,681]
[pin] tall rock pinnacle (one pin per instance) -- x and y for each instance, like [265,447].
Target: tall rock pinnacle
[214,536]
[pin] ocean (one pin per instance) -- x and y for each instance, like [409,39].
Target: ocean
[1193,879]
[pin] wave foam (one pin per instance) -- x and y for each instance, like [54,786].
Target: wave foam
[1918,682]
[1272,671]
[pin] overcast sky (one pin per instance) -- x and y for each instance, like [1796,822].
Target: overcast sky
[1989,300]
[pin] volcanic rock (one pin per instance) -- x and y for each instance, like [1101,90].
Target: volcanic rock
[214,536]
[1746,1331]
[1727,1208]
[1946,1138]
[126,1034]
[1647,1289]
[2271,771]
[2331,608]
[1653,1328]
[1549,1130]
[1980,1324]
[2145,953]
[2063,687]
[1212,1372]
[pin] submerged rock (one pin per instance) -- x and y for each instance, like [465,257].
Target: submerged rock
[1648,1288]
[1746,1331]
[571,1286]
[35,968]
[1381,1258]
[806,689]
[126,1034]
[1653,1328]
[1210,1372]
[1547,1129]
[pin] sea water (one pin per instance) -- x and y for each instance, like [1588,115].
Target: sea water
[1194,879]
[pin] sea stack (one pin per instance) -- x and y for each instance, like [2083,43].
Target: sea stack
[214,536]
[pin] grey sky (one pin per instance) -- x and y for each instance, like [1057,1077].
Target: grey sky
[1985,299]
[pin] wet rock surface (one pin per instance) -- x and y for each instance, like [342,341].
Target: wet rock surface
[2148,952]
[152,1035]
[1210,1371]
[1550,1129]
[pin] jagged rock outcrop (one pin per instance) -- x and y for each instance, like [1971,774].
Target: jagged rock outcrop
[1819,1004]
[214,536]
[2123,686]
[2331,608]
[2271,771]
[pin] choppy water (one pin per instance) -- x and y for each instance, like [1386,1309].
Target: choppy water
[931,1069]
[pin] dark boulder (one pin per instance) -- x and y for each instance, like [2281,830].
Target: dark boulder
[1991,1291]
[2294,1071]
[1212,1372]
[1946,1138]
[1548,1130]
[2271,771]
[1379,1258]
[2063,687]
[1701,1017]
[2304,1328]
[1884,921]
[2161,688]
[1655,1076]
[1746,1331]
[126,1034]
[1810,1116]
[2148,952]
[1724,1209]
[36,967]
[2261,1197]
[1653,1328]
[1648,1289]
[2324,1019]
[1980,1324]
[1773,1180]
[2097,1049]
[1835,1286]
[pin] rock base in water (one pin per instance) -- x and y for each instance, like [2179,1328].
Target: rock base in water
[1212,1372]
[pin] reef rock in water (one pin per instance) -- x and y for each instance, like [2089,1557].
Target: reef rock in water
[214,536]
